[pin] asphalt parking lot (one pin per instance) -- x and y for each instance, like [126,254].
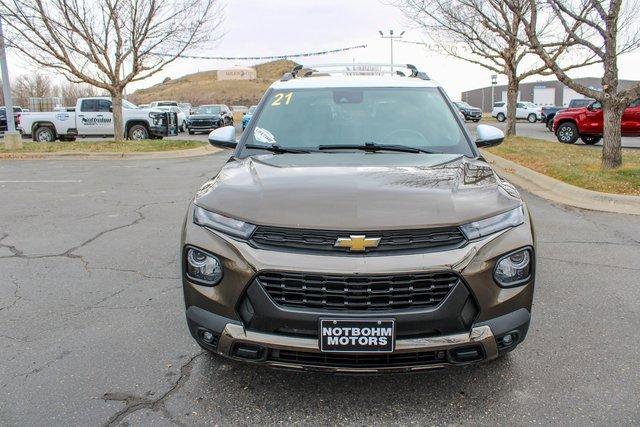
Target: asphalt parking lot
[92,328]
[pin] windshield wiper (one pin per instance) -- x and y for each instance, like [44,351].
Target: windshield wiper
[275,148]
[373,147]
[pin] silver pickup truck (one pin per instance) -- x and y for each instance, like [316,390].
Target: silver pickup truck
[93,117]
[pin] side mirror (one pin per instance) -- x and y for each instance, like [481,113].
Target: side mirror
[224,137]
[488,136]
[111,108]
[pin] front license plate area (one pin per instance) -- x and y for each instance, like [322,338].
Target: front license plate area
[357,335]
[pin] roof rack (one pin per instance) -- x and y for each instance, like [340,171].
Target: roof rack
[356,68]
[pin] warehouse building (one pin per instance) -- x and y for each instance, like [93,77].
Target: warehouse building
[541,93]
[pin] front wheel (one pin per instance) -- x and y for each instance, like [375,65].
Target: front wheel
[501,117]
[567,133]
[138,133]
[532,118]
[591,139]
[44,134]
[550,125]
[191,132]
[476,120]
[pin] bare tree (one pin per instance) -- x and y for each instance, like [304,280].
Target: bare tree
[108,43]
[486,33]
[606,29]
[25,86]
[70,92]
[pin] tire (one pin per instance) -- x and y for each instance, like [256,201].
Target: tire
[191,132]
[532,118]
[44,134]
[591,139]
[138,133]
[476,120]
[567,133]
[501,117]
[550,125]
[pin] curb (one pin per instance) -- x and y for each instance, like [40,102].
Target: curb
[72,155]
[557,191]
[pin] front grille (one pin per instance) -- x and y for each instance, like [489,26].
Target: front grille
[202,123]
[338,292]
[390,240]
[347,360]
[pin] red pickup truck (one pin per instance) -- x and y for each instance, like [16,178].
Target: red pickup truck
[586,123]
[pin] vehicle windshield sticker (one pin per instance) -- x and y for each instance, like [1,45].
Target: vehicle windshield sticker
[263,135]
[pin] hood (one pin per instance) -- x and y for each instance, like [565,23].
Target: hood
[357,191]
[575,110]
[204,116]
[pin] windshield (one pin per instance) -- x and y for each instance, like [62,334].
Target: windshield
[208,109]
[463,105]
[308,118]
[128,105]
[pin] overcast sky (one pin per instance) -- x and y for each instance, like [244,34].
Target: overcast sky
[274,27]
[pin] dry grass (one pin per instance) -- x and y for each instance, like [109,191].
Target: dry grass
[578,165]
[204,88]
[105,146]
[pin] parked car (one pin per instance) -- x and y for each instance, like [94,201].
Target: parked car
[468,112]
[548,113]
[186,107]
[17,111]
[94,117]
[587,123]
[209,117]
[524,110]
[182,117]
[247,116]
[398,250]
[163,104]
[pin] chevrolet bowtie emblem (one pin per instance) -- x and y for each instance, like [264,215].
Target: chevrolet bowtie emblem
[357,243]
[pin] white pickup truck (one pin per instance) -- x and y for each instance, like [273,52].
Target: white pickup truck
[93,117]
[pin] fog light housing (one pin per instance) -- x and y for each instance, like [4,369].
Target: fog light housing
[202,268]
[514,269]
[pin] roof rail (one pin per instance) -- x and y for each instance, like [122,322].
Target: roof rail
[359,68]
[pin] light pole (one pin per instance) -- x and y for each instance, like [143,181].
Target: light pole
[494,82]
[12,139]
[391,38]
[6,87]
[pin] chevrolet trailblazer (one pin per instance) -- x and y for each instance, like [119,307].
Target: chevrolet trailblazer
[356,228]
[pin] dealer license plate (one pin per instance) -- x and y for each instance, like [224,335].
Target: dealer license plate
[357,335]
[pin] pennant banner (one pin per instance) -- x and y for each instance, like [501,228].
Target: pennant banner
[257,58]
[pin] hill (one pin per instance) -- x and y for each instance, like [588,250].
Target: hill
[205,88]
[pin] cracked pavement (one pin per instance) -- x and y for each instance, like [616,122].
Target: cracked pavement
[92,328]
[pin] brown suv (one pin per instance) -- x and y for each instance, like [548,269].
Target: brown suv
[357,228]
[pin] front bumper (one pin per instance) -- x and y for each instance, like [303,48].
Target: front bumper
[482,343]
[427,338]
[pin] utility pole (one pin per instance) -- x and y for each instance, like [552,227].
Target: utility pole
[12,139]
[391,38]
[6,86]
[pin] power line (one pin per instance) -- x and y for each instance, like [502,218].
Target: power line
[242,58]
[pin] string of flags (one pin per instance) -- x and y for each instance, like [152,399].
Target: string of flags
[257,58]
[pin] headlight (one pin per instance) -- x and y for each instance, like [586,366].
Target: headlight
[202,267]
[514,268]
[222,223]
[484,227]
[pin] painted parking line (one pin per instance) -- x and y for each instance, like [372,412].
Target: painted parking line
[42,181]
